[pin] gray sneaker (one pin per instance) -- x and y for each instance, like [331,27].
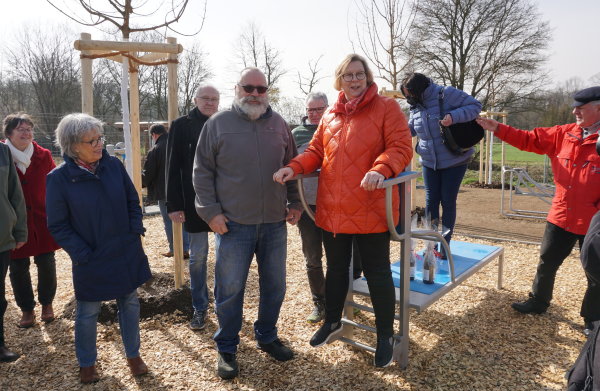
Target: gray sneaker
[317,315]
[198,320]
[227,366]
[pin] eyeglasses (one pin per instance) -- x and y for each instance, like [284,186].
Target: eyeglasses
[316,109]
[24,130]
[250,88]
[352,76]
[208,99]
[94,142]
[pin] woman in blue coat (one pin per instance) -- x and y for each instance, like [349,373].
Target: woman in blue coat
[94,214]
[443,170]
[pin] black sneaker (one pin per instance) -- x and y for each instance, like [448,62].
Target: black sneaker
[384,353]
[277,350]
[227,366]
[530,306]
[328,333]
[198,320]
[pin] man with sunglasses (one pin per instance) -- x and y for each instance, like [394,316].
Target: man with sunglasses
[181,147]
[238,152]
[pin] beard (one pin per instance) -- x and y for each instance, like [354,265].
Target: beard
[248,105]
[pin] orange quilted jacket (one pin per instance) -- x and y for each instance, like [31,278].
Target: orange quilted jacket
[375,137]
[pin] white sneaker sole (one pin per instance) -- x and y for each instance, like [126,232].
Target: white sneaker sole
[334,336]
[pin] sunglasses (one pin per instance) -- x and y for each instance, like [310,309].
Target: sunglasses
[250,88]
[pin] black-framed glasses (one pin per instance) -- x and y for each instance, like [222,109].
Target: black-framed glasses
[316,109]
[94,142]
[351,76]
[250,88]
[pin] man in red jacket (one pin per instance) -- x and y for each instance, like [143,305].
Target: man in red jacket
[576,167]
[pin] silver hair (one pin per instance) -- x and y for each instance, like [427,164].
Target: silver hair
[71,128]
[316,96]
[203,86]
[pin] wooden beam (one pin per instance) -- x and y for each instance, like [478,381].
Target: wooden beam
[172,115]
[147,47]
[87,83]
[134,120]
[153,57]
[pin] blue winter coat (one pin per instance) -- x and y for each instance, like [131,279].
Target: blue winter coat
[424,123]
[97,219]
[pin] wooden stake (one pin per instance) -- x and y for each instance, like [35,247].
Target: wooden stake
[87,83]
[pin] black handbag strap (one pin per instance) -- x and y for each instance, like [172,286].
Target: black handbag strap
[441,102]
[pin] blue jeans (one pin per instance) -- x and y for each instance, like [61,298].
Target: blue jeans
[169,227]
[198,256]
[441,187]
[234,252]
[86,318]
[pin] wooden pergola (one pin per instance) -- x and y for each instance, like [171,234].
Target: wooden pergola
[154,54]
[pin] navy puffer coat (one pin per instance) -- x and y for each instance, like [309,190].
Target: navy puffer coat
[97,219]
[424,123]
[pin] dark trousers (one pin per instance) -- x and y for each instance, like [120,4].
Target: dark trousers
[441,188]
[590,306]
[20,280]
[4,260]
[375,253]
[557,244]
[312,241]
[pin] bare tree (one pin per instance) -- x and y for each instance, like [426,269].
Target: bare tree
[193,70]
[493,49]
[382,30]
[595,79]
[254,51]
[124,14]
[45,62]
[291,109]
[307,83]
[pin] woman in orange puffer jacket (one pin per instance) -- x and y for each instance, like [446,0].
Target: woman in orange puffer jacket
[362,140]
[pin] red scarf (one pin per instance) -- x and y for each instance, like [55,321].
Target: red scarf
[342,105]
[91,167]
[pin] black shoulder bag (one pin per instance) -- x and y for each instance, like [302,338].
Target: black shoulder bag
[581,376]
[459,137]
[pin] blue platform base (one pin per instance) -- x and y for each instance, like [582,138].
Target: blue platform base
[466,256]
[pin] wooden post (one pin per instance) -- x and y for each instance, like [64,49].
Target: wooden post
[87,90]
[173,114]
[134,116]
[481,154]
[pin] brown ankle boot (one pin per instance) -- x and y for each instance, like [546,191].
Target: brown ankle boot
[27,320]
[88,374]
[137,366]
[47,313]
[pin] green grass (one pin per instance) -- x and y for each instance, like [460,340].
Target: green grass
[512,154]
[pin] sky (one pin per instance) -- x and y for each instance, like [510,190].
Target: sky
[305,30]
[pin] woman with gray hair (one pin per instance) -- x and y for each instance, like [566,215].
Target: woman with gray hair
[94,214]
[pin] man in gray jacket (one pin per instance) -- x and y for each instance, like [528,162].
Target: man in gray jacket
[238,152]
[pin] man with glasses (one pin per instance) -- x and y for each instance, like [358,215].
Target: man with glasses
[238,152]
[576,167]
[311,235]
[181,147]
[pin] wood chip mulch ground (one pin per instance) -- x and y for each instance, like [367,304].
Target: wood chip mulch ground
[469,340]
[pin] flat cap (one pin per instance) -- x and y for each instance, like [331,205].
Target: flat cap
[586,95]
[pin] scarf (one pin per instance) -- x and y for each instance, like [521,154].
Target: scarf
[22,158]
[91,167]
[349,107]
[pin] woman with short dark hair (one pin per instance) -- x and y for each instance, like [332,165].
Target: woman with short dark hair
[95,215]
[33,163]
[443,170]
